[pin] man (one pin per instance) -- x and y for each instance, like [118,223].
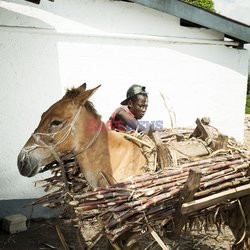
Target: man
[133,108]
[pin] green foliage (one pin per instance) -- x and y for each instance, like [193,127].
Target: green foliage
[248,96]
[205,4]
[248,105]
[248,84]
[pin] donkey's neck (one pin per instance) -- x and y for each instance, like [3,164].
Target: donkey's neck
[110,159]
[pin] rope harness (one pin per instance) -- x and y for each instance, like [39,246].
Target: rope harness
[39,143]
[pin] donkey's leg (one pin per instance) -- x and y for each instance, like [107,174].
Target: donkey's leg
[237,225]
[246,207]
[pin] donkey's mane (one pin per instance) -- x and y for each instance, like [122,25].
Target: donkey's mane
[74,92]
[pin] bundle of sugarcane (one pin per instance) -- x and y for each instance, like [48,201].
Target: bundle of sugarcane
[148,198]
[152,197]
[59,195]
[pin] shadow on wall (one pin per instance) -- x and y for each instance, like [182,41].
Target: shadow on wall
[22,206]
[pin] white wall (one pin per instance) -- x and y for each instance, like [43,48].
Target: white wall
[51,46]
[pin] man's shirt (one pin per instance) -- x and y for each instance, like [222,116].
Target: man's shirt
[117,123]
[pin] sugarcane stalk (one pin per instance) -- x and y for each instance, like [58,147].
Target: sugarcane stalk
[100,202]
[225,171]
[99,192]
[222,179]
[91,206]
[225,185]
[47,197]
[138,209]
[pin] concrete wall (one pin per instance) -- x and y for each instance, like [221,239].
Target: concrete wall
[48,47]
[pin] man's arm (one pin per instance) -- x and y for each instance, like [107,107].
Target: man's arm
[130,121]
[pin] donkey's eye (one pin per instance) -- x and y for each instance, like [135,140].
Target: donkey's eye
[55,123]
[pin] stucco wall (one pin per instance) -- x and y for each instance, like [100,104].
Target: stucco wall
[48,47]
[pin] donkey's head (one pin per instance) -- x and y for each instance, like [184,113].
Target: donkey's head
[62,129]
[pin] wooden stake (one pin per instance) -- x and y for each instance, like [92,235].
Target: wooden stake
[187,194]
[163,160]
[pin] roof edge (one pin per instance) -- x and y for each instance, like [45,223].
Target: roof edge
[232,28]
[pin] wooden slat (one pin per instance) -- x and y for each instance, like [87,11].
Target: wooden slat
[215,199]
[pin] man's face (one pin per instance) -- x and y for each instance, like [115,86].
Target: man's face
[139,106]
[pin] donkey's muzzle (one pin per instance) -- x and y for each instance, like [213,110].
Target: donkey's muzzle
[27,165]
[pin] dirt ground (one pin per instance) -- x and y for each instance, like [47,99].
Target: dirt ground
[42,234]
[247,131]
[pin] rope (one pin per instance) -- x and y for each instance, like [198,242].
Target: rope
[39,143]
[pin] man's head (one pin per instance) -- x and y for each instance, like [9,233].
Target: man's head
[137,100]
[138,105]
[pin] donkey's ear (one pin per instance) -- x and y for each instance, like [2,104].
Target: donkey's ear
[83,87]
[84,96]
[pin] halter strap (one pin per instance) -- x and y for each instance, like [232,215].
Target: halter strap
[40,143]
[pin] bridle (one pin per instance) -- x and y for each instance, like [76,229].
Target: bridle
[39,143]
